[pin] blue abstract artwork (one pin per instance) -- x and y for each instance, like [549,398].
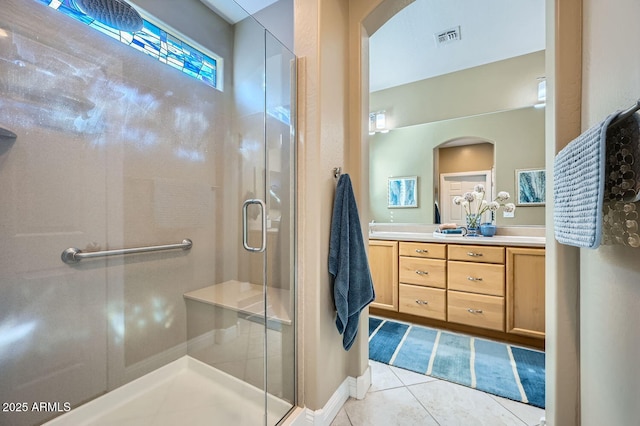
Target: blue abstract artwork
[153,41]
[531,187]
[403,192]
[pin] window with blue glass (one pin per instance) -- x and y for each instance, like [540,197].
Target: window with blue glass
[155,42]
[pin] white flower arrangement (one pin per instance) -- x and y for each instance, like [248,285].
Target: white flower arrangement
[482,205]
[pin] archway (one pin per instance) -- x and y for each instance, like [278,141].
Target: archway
[564,66]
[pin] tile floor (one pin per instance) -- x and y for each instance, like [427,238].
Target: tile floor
[403,398]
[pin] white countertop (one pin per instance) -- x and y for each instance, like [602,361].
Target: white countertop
[526,237]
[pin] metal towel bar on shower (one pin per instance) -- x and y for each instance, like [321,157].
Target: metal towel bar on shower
[74,255]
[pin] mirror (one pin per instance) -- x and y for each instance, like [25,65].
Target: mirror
[449,101]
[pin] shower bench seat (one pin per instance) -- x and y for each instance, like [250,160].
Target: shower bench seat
[246,298]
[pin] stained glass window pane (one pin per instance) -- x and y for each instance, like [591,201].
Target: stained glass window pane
[154,41]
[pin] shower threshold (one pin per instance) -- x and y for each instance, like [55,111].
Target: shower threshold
[185,391]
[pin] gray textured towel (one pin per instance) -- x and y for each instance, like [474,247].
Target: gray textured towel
[348,265]
[578,188]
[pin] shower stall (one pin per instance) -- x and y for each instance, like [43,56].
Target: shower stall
[147,215]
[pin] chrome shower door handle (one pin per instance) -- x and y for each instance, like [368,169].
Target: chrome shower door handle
[245,226]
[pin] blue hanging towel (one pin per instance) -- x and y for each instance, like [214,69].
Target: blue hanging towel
[348,265]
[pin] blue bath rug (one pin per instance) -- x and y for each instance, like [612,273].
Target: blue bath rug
[497,368]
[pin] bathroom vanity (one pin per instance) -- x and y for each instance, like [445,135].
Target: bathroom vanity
[487,286]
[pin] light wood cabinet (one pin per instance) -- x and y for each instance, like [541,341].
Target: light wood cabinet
[383,264]
[495,291]
[525,291]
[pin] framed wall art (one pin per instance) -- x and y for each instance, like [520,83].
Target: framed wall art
[530,187]
[403,192]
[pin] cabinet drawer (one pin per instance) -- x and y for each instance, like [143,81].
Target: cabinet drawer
[427,272]
[483,254]
[432,251]
[481,278]
[476,310]
[423,301]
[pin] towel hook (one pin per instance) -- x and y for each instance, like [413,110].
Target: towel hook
[337,171]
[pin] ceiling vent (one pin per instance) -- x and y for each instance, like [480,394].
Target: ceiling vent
[447,36]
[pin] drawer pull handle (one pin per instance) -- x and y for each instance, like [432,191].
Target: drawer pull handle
[419,272]
[474,311]
[422,251]
[473,254]
[421,302]
[474,279]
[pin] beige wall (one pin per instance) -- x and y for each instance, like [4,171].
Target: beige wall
[321,45]
[609,276]
[465,158]
[563,62]
[330,38]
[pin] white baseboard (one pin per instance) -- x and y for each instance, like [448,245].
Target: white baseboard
[358,386]
[354,387]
